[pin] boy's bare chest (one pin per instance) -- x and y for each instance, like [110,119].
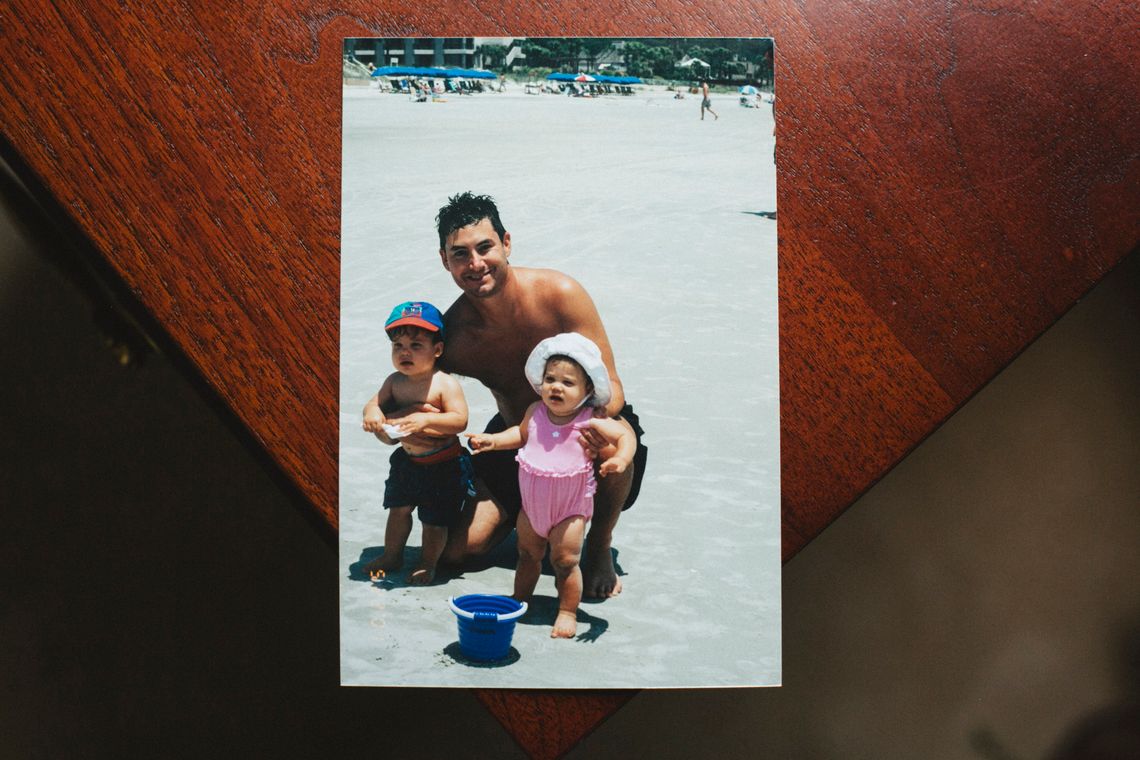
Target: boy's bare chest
[407,392]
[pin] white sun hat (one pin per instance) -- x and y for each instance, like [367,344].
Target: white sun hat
[579,348]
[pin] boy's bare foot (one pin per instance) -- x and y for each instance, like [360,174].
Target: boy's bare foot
[565,625]
[383,565]
[599,579]
[422,576]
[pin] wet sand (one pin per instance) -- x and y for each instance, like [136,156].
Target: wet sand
[662,218]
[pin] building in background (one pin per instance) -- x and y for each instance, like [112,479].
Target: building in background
[464,52]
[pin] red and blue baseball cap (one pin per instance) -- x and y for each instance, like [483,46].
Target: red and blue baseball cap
[417,314]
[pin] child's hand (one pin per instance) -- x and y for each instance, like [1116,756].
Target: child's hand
[480,442]
[613,465]
[592,438]
[373,421]
[396,421]
[413,423]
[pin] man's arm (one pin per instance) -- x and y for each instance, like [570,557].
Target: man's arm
[579,315]
[619,435]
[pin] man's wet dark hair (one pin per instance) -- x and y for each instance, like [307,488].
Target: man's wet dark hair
[466,209]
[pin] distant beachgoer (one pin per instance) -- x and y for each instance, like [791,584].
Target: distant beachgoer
[706,101]
[503,313]
[773,127]
[556,475]
[422,410]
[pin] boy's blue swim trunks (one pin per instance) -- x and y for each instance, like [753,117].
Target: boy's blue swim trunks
[436,484]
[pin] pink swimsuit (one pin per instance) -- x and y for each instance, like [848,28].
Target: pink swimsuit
[555,475]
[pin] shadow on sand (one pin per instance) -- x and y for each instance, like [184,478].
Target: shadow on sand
[455,654]
[399,578]
[504,556]
[544,609]
[764,214]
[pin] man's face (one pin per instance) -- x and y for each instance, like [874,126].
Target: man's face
[477,258]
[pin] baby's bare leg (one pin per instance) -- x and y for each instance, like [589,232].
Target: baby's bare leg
[396,534]
[565,555]
[531,547]
[434,539]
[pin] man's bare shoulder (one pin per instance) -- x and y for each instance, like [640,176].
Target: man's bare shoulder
[546,278]
[551,283]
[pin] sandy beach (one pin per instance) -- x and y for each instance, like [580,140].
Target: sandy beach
[663,218]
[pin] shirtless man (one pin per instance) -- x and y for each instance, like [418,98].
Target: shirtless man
[502,314]
[706,101]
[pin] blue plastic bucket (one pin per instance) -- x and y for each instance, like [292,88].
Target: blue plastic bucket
[486,624]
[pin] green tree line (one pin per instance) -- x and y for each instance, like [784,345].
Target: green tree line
[655,57]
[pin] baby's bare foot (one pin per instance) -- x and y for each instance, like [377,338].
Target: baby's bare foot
[565,625]
[383,565]
[422,576]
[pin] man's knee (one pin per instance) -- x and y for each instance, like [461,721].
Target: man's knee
[476,535]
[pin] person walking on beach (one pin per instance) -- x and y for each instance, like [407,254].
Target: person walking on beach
[706,101]
[556,476]
[426,411]
[502,313]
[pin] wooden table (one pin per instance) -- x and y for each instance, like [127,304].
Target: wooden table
[951,179]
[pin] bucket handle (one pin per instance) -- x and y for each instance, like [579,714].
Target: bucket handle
[487,615]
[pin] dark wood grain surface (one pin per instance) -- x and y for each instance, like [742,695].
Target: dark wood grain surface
[952,177]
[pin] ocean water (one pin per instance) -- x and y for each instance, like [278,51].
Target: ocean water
[659,216]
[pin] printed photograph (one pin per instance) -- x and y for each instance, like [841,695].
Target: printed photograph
[559,378]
